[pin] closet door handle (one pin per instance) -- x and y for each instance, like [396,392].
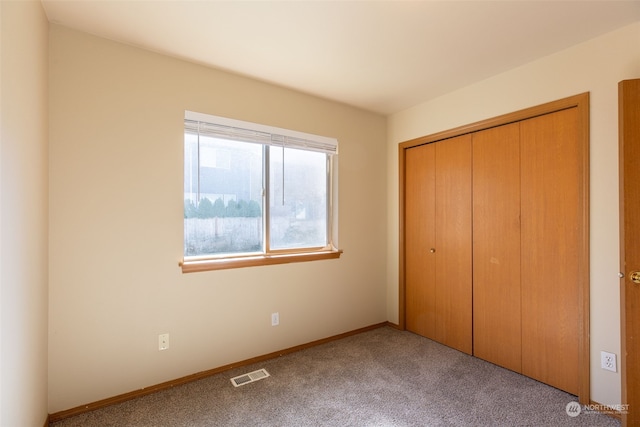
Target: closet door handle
[635,276]
[432,250]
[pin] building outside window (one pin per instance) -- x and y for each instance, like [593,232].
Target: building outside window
[254,190]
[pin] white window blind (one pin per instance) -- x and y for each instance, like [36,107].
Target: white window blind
[237,130]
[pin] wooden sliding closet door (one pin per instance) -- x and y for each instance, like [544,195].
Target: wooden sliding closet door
[453,244]
[420,217]
[496,246]
[495,239]
[551,224]
[438,242]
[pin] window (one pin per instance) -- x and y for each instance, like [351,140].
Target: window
[256,194]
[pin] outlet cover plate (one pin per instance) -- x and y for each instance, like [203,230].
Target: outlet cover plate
[163,342]
[608,361]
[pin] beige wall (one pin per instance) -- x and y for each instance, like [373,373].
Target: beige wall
[116,203]
[23,214]
[596,67]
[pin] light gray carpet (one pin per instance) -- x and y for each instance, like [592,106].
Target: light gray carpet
[383,377]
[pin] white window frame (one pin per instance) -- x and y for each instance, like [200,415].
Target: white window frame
[266,135]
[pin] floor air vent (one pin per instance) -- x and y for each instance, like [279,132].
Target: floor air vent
[249,378]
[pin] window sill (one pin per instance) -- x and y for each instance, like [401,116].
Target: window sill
[222,264]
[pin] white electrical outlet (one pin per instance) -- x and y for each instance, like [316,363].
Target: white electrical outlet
[163,342]
[275,319]
[608,361]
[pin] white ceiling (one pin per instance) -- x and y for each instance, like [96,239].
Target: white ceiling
[382,56]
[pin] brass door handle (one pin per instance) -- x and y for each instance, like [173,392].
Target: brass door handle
[635,276]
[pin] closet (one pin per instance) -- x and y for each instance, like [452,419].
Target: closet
[438,204]
[496,246]
[494,231]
